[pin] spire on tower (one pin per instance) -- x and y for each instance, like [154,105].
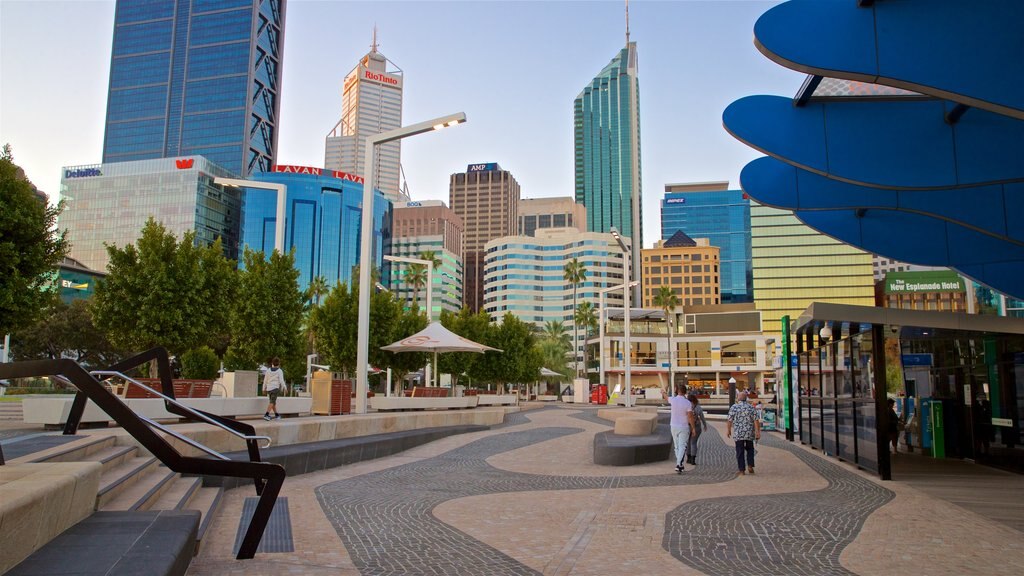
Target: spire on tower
[627,21]
[373,47]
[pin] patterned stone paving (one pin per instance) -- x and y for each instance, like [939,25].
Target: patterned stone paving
[798,533]
[384,518]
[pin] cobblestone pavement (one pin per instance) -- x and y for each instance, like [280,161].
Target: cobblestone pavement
[802,533]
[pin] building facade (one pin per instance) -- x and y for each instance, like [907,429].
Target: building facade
[557,212]
[196,78]
[710,210]
[795,265]
[110,203]
[938,290]
[75,281]
[486,198]
[606,129]
[427,226]
[371,102]
[323,212]
[690,268]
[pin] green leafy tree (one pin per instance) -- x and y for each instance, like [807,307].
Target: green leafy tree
[316,290]
[160,292]
[401,363]
[266,320]
[668,301]
[555,331]
[519,360]
[586,316]
[552,355]
[66,331]
[471,326]
[200,364]
[575,274]
[31,248]
[334,324]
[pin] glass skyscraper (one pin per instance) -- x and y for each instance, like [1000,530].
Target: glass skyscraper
[606,130]
[322,221]
[710,210]
[196,77]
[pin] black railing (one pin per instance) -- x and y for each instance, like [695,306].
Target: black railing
[268,477]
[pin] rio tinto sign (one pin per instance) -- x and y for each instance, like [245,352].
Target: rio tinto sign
[288,169]
[380,77]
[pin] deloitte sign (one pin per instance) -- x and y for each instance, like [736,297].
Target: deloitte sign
[906,282]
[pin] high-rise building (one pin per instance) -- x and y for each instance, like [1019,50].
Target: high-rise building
[606,121]
[795,265]
[428,226]
[710,210]
[557,212]
[110,203]
[883,266]
[323,212]
[196,78]
[486,198]
[371,102]
[689,267]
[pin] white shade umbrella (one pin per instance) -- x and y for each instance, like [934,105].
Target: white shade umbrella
[436,338]
[547,372]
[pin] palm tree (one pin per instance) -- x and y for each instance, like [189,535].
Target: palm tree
[555,331]
[667,300]
[586,316]
[416,276]
[317,289]
[435,266]
[575,274]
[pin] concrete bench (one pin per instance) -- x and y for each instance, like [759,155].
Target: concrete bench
[384,403]
[612,449]
[54,411]
[636,425]
[497,399]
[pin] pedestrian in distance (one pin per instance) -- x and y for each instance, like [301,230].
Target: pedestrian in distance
[894,425]
[744,428]
[700,424]
[682,424]
[273,386]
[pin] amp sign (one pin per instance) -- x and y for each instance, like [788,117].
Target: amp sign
[489,167]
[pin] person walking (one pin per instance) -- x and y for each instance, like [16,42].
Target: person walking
[700,424]
[273,384]
[744,428]
[681,424]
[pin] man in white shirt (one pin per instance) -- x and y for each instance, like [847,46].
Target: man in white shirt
[682,424]
[273,384]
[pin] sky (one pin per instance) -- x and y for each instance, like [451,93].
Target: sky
[514,68]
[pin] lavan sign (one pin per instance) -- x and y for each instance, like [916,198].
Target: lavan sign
[82,173]
[287,169]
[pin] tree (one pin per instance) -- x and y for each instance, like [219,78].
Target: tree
[200,364]
[552,356]
[266,320]
[471,326]
[668,300]
[554,331]
[401,363]
[435,266]
[586,316]
[416,276]
[160,292]
[31,248]
[575,274]
[518,361]
[334,324]
[316,290]
[66,331]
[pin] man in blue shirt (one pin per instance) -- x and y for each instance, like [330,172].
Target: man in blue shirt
[743,427]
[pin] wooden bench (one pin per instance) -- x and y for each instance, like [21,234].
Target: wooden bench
[427,392]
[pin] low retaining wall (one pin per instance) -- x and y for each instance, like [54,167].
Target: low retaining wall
[54,411]
[385,403]
[497,399]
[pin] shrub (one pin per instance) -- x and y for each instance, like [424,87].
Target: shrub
[200,364]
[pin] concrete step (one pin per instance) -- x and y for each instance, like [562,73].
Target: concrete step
[11,411]
[76,451]
[118,479]
[113,456]
[143,492]
[178,495]
[207,502]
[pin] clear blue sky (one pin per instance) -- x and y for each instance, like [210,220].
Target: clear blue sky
[514,68]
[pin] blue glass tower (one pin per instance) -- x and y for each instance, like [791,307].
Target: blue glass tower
[723,216]
[322,221]
[196,77]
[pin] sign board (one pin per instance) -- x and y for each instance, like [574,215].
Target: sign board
[289,169]
[937,281]
[917,360]
[488,167]
[82,173]
[675,201]
[1006,422]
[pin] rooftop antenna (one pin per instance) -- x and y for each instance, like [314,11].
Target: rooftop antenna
[373,46]
[627,21]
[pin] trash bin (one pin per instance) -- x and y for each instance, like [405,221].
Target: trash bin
[599,395]
[331,397]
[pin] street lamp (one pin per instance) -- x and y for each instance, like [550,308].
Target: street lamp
[366,244]
[732,391]
[281,190]
[626,313]
[430,288]
[603,319]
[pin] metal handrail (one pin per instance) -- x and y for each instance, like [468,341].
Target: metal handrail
[183,438]
[198,415]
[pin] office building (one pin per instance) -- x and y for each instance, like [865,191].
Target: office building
[710,210]
[427,226]
[556,212]
[606,128]
[689,267]
[486,198]
[323,209]
[196,78]
[110,203]
[795,265]
[75,281]
[371,102]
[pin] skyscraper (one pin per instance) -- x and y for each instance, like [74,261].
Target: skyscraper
[710,210]
[196,77]
[371,102]
[607,149]
[427,226]
[487,199]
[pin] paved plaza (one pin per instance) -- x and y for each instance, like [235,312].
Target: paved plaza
[525,498]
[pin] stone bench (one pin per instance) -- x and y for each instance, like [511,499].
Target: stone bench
[636,425]
[613,449]
[497,399]
[385,403]
[153,543]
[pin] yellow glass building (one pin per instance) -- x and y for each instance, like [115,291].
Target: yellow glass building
[795,265]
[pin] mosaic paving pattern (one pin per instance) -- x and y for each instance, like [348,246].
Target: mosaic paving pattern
[384,518]
[799,533]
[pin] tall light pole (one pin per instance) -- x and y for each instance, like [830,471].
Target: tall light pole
[281,190]
[603,317]
[626,313]
[430,288]
[366,244]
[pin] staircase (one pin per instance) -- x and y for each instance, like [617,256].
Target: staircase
[10,412]
[135,481]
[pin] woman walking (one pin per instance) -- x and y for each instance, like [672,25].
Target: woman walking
[699,425]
